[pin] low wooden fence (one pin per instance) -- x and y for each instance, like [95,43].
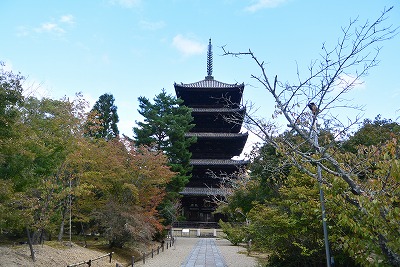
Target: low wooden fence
[89,262]
[145,255]
[152,253]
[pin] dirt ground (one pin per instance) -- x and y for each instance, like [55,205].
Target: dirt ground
[56,254]
[46,256]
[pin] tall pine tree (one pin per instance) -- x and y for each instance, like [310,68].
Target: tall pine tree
[103,118]
[165,123]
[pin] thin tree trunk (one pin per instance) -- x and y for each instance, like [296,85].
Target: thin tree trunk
[61,233]
[30,244]
[83,233]
[41,238]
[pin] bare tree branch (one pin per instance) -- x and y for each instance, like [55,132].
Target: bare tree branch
[338,71]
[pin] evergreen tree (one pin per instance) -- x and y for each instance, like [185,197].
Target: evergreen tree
[10,99]
[165,123]
[103,118]
[371,133]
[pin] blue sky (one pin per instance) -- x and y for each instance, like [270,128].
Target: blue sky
[133,48]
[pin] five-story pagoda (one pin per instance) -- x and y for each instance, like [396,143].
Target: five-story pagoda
[218,116]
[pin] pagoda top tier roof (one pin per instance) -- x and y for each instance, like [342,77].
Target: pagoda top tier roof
[210,93]
[209,82]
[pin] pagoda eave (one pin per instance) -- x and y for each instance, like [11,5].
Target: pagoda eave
[218,119]
[218,162]
[197,191]
[196,111]
[217,145]
[219,136]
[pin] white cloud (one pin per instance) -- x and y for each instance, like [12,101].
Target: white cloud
[126,3]
[147,25]
[395,94]
[187,46]
[50,27]
[23,31]
[261,4]
[349,81]
[68,19]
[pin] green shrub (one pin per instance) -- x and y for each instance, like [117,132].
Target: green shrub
[234,233]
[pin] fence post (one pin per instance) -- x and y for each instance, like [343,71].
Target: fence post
[133,261]
[111,256]
[144,258]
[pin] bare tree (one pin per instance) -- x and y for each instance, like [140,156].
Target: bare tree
[330,78]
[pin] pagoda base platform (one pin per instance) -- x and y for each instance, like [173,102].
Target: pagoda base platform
[196,232]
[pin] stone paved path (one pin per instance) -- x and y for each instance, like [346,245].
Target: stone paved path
[205,254]
[184,249]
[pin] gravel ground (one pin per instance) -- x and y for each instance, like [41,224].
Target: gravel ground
[235,256]
[46,256]
[173,257]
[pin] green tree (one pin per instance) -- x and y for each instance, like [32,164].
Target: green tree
[374,132]
[116,190]
[370,223]
[10,100]
[165,123]
[30,173]
[103,119]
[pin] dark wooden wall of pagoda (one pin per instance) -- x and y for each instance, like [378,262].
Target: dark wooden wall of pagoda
[218,140]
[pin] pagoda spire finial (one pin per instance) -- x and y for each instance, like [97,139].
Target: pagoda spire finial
[209,62]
